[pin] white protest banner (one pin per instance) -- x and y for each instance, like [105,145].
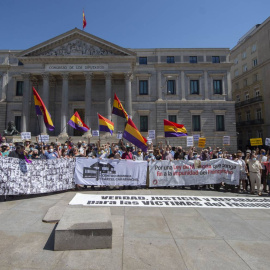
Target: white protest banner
[186,173]
[226,140]
[151,134]
[110,172]
[26,135]
[170,201]
[267,141]
[196,137]
[149,140]
[95,133]
[189,141]
[41,176]
[44,138]
[119,135]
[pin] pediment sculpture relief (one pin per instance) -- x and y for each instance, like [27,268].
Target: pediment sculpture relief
[76,47]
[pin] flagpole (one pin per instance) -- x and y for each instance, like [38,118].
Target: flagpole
[63,128]
[39,130]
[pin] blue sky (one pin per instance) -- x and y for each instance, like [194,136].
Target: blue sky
[132,24]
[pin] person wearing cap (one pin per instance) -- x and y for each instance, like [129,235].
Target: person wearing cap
[19,152]
[255,171]
[5,150]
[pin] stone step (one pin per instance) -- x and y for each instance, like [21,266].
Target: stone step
[83,228]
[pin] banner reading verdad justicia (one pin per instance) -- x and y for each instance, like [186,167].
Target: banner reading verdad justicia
[186,173]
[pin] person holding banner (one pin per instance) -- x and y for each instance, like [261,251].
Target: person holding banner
[255,172]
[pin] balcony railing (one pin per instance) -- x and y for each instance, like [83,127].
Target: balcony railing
[250,122]
[249,101]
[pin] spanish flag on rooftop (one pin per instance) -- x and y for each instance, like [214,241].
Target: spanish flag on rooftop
[133,135]
[118,109]
[172,129]
[105,124]
[77,123]
[41,110]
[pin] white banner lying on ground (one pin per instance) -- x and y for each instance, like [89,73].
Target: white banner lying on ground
[110,172]
[41,176]
[193,172]
[170,201]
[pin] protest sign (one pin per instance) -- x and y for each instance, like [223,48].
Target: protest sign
[201,142]
[26,135]
[196,137]
[44,138]
[189,141]
[267,141]
[151,134]
[110,172]
[95,133]
[149,140]
[41,176]
[170,201]
[226,140]
[256,141]
[193,172]
[119,135]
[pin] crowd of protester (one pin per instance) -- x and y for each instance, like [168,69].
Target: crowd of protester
[254,165]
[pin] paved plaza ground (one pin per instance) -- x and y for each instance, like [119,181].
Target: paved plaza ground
[143,238]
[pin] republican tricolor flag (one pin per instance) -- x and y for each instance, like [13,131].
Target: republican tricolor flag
[41,110]
[105,124]
[172,129]
[83,20]
[77,123]
[118,108]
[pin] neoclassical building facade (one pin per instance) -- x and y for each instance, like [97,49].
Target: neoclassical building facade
[77,71]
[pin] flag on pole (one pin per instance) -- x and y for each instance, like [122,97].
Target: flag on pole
[172,129]
[105,124]
[41,110]
[118,109]
[84,20]
[77,123]
[133,135]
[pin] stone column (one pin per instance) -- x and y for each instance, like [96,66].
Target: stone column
[108,95]
[159,87]
[128,97]
[25,103]
[88,99]
[183,85]
[229,86]
[1,86]
[206,88]
[64,105]
[45,98]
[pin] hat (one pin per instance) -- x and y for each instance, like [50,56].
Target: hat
[248,151]
[27,140]
[239,151]
[19,144]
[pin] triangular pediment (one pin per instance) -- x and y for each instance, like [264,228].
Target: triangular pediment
[76,43]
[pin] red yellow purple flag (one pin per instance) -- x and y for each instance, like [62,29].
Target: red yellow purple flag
[41,110]
[172,129]
[105,124]
[118,109]
[77,123]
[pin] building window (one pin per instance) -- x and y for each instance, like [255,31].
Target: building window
[247,96]
[143,60]
[239,117]
[193,59]
[236,73]
[257,93]
[19,88]
[253,48]
[260,134]
[244,55]
[143,85]
[220,122]
[144,123]
[194,87]
[245,68]
[215,59]
[217,87]
[196,123]
[248,115]
[171,87]
[259,114]
[237,98]
[172,118]
[255,62]
[236,61]
[170,59]
[245,82]
[236,86]
[255,77]
[18,123]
